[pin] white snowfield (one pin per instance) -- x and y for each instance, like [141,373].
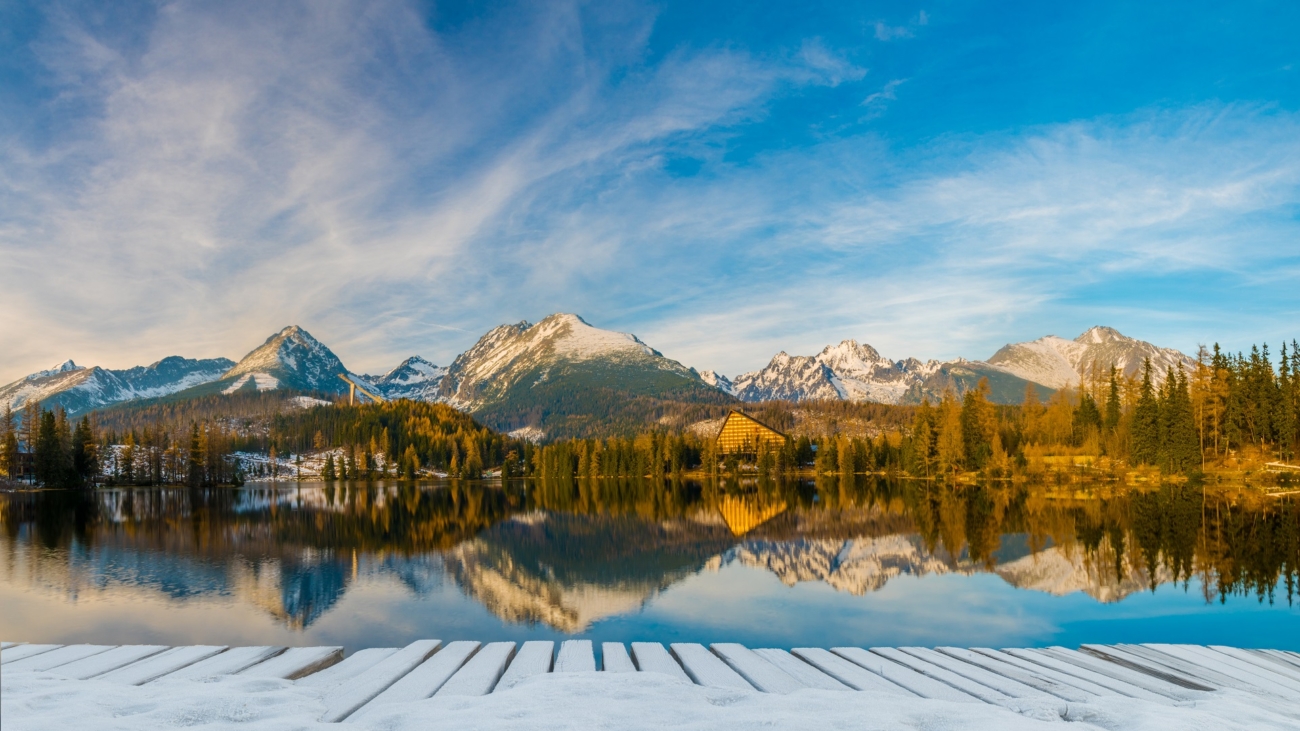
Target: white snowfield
[472,685]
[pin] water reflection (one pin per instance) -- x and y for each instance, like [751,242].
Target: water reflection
[567,555]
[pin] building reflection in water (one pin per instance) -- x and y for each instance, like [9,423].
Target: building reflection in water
[568,554]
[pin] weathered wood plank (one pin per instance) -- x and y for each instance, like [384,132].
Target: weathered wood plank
[1247,675]
[978,673]
[943,675]
[651,657]
[919,684]
[55,658]
[1050,676]
[800,670]
[227,663]
[295,663]
[704,668]
[103,662]
[1141,664]
[347,668]
[480,675]
[1262,663]
[1111,672]
[533,658]
[1163,662]
[851,674]
[575,656]
[614,658]
[1278,656]
[19,652]
[363,687]
[423,681]
[167,661]
[757,671]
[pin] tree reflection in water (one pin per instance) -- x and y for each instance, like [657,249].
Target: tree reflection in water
[568,553]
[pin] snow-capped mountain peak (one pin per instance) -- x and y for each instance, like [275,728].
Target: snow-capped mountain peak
[291,358]
[1060,363]
[848,370]
[414,378]
[718,381]
[66,366]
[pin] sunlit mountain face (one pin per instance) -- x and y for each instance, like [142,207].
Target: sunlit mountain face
[363,562]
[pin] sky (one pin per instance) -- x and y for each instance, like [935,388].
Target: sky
[724,179]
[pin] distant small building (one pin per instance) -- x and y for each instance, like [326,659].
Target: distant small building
[741,434]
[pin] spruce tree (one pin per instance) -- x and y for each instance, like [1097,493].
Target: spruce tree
[327,473]
[49,457]
[8,460]
[1146,422]
[1182,447]
[1111,420]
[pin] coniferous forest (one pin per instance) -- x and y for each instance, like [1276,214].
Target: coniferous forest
[1230,413]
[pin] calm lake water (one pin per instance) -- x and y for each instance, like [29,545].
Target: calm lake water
[854,562]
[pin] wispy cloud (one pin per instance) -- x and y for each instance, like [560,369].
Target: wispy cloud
[383,182]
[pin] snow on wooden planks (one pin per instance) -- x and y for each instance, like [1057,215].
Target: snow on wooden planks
[167,661]
[918,683]
[979,674]
[1052,670]
[423,681]
[6,645]
[374,680]
[1250,676]
[295,662]
[533,658]
[1040,679]
[706,669]
[615,658]
[55,658]
[14,654]
[481,673]
[849,673]
[1116,676]
[227,663]
[651,657]
[800,670]
[943,675]
[103,662]
[351,666]
[756,670]
[575,656]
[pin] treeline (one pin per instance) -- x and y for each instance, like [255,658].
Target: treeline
[1227,411]
[397,438]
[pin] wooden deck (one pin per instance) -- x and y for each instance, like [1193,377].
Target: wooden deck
[357,685]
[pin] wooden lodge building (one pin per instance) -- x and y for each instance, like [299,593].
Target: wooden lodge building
[741,434]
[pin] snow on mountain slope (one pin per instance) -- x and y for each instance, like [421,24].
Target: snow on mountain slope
[414,378]
[847,371]
[291,358]
[77,389]
[509,355]
[1057,362]
[718,381]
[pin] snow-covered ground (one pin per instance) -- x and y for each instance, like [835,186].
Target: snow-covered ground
[627,701]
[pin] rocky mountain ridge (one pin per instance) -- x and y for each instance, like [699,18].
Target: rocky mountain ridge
[515,375]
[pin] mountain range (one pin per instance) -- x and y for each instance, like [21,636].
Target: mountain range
[562,376]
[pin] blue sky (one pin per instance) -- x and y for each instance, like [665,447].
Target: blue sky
[726,180]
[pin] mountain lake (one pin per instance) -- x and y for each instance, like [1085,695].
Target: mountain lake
[865,561]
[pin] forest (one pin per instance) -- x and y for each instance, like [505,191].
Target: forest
[1228,413]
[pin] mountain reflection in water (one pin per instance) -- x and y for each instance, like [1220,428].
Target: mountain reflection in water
[566,555]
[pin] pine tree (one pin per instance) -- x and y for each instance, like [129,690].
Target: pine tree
[1182,446]
[1146,422]
[327,473]
[1111,419]
[49,457]
[194,459]
[979,425]
[85,453]
[8,435]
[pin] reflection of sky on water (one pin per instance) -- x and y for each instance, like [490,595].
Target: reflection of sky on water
[241,574]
